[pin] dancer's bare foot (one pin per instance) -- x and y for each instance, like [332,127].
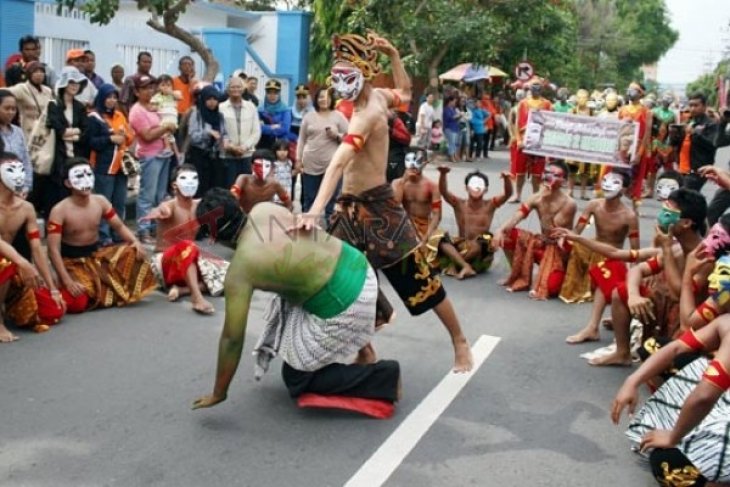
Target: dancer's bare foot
[585,335]
[533,295]
[612,359]
[466,271]
[503,281]
[463,361]
[173,294]
[6,336]
[366,355]
[203,307]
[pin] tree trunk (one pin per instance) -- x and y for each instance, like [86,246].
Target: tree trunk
[433,66]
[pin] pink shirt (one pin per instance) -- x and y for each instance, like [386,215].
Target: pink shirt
[142,119]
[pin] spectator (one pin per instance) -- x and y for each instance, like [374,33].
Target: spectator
[117,74]
[184,83]
[275,116]
[424,121]
[302,106]
[319,137]
[109,136]
[491,134]
[243,128]
[67,118]
[451,128]
[399,141]
[150,132]
[144,66]
[252,83]
[479,128]
[32,96]
[464,129]
[90,72]
[284,171]
[30,50]
[208,140]
[11,135]
[437,135]
[165,103]
[77,58]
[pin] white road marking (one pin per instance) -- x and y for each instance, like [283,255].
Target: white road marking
[381,465]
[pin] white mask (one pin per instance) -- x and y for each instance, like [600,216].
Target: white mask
[414,160]
[347,82]
[476,184]
[261,168]
[12,174]
[664,188]
[187,183]
[611,185]
[81,178]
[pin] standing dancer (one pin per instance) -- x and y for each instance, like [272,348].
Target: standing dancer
[369,217]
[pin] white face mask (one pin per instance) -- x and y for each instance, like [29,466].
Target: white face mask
[664,188]
[187,183]
[476,184]
[12,175]
[414,160]
[347,82]
[81,178]
[261,168]
[611,185]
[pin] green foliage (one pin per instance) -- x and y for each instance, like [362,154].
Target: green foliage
[707,83]
[103,11]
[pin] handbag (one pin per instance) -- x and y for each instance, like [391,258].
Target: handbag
[130,164]
[42,145]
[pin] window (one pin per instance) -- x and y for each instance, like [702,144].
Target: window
[53,50]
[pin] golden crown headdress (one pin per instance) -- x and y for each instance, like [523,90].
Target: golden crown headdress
[357,50]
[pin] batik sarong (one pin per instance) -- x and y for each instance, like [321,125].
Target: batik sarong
[25,306]
[530,248]
[577,286]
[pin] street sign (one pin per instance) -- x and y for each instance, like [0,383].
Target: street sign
[524,70]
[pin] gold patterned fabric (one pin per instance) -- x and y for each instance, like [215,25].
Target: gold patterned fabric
[112,276]
[577,287]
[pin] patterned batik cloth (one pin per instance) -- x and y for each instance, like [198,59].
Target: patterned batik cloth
[25,306]
[112,276]
[529,249]
[708,445]
[577,286]
[307,342]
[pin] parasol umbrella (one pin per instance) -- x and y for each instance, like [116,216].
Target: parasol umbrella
[470,72]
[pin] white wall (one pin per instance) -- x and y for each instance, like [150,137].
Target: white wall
[265,33]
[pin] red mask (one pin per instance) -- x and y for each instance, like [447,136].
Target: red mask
[261,168]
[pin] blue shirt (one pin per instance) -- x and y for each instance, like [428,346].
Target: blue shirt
[478,117]
[451,123]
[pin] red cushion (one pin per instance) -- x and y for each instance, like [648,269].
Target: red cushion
[375,408]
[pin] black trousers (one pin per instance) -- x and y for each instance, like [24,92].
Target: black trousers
[211,171]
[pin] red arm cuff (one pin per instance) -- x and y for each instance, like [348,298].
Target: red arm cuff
[396,99]
[436,205]
[111,213]
[54,227]
[582,220]
[717,375]
[690,339]
[633,255]
[707,311]
[496,202]
[35,234]
[236,191]
[356,141]
[654,265]
[634,234]
[525,210]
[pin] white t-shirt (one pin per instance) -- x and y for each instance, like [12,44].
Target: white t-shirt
[425,117]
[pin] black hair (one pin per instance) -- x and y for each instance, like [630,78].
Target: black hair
[89,51]
[227,216]
[5,93]
[316,98]
[184,58]
[72,162]
[263,154]
[164,78]
[281,144]
[182,168]
[29,39]
[143,53]
[693,206]
[477,174]
[724,219]
[562,165]
[671,175]
[698,95]
[449,99]
[8,156]
[625,175]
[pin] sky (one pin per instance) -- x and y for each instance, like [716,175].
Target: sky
[703,31]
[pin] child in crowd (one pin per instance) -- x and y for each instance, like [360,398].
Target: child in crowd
[166,102]
[284,171]
[437,135]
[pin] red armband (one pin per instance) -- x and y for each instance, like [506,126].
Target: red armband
[654,265]
[396,99]
[111,213]
[236,191]
[54,227]
[285,198]
[525,210]
[35,234]
[717,375]
[436,205]
[633,255]
[582,220]
[690,339]
[707,312]
[495,202]
[634,234]
[356,141]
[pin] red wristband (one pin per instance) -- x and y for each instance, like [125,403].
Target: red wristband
[525,210]
[35,234]
[634,234]
[707,312]
[717,375]
[654,265]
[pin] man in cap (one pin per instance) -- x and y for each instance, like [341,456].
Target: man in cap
[30,50]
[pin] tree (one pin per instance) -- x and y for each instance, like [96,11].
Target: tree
[164,15]
[707,83]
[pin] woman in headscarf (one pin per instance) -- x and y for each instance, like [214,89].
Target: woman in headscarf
[275,117]
[32,96]
[207,140]
[109,136]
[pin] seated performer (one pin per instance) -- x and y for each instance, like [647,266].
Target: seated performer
[179,263]
[586,269]
[523,248]
[250,189]
[36,306]
[94,277]
[651,288]
[474,217]
[322,314]
[684,427]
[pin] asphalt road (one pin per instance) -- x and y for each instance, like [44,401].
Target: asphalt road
[104,399]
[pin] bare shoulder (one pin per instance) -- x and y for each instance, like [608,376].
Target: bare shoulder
[101,201]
